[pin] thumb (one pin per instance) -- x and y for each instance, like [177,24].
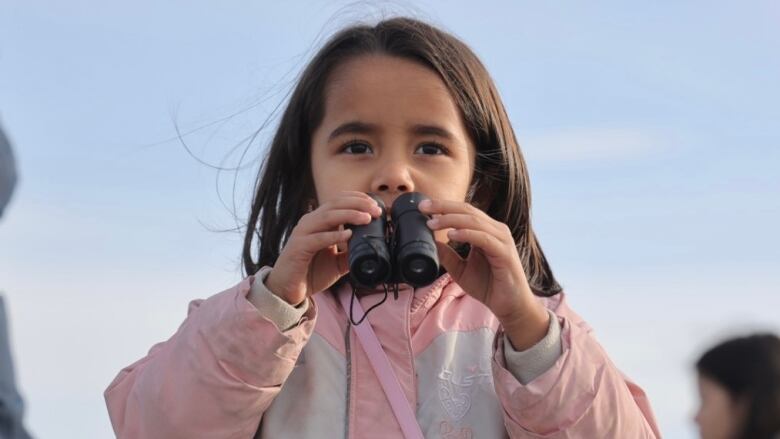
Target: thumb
[451,260]
[342,261]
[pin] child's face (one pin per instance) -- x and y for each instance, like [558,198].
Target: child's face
[719,415]
[390,126]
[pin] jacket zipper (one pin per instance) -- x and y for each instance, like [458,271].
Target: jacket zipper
[348,353]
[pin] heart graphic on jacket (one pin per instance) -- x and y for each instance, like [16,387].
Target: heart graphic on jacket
[455,393]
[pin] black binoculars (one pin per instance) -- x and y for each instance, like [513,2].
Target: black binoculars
[401,251]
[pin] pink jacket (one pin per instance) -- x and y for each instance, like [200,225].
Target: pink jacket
[228,372]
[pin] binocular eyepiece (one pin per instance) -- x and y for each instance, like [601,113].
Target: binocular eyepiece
[403,251]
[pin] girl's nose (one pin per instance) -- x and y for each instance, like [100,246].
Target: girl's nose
[392,178]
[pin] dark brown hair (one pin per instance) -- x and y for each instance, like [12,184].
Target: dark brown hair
[500,185]
[749,369]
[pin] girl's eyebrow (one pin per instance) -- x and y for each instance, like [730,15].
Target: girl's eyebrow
[353,127]
[357,127]
[432,130]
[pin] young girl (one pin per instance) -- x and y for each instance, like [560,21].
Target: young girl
[739,386]
[490,349]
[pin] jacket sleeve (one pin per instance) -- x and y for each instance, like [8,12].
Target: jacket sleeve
[583,395]
[213,378]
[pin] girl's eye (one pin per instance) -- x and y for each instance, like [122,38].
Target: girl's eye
[356,148]
[431,149]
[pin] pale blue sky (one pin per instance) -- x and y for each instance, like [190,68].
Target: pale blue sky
[650,130]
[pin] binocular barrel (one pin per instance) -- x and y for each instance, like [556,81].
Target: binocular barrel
[369,256]
[409,256]
[416,259]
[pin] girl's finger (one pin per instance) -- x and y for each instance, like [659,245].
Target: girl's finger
[491,246]
[353,200]
[309,245]
[444,207]
[467,221]
[327,220]
[433,206]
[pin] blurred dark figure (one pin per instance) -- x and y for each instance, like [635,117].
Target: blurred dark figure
[11,405]
[739,386]
[7,172]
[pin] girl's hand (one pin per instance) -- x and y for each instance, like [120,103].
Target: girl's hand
[310,261]
[492,273]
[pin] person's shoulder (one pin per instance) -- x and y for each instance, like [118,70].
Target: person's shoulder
[559,304]
[232,297]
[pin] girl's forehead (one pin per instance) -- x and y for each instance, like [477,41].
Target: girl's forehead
[385,88]
[712,388]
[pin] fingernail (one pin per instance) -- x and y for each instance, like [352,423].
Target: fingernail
[425,204]
[433,222]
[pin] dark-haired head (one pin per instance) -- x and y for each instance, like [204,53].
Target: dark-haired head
[744,374]
[500,184]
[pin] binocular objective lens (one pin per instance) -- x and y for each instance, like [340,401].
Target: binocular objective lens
[369,266]
[418,265]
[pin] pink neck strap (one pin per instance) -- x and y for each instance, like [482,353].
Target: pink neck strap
[384,371]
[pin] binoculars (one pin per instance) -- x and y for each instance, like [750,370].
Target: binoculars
[401,251]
